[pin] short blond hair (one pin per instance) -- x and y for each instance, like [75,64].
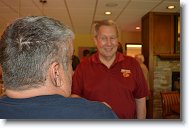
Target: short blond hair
[98,24]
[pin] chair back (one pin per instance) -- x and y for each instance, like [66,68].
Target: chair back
[168,99]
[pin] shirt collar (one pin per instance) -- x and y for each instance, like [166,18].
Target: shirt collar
[119,58]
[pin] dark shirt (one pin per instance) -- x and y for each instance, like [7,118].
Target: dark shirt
[53,107]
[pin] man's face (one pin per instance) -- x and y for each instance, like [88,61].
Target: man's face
[107,42]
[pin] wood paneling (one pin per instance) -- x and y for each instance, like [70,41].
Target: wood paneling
[158,37]
[163,30]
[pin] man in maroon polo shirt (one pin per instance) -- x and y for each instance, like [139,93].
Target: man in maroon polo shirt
[109,76]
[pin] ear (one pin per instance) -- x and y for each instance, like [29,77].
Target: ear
[54,73]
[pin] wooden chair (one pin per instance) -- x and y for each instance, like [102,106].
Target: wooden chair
[169,99]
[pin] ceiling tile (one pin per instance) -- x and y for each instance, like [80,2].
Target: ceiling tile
[79,14]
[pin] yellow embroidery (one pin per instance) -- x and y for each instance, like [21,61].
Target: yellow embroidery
[125,72]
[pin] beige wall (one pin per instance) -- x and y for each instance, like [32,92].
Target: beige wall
[83,41]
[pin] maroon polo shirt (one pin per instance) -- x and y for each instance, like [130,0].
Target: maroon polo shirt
[118,85]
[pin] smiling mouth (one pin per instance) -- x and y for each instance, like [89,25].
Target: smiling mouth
[108,49]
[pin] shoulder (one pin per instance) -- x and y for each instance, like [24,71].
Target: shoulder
[94,108]
[87,62]
[128,60]
[88,104]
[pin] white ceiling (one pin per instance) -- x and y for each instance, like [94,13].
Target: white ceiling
[79,14]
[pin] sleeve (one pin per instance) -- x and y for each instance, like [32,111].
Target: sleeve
[141,88]
[77,81]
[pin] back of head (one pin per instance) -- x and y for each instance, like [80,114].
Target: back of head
[120,48]
[28,46]
[86,52]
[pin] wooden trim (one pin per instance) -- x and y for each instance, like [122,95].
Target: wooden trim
[169,56]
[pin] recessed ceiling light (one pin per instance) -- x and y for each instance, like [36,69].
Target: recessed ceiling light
[137,28]
[170,7]
[107,12]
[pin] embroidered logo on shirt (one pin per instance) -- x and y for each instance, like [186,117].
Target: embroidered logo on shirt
[125,72]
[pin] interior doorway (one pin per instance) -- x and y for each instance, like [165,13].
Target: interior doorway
[132,49]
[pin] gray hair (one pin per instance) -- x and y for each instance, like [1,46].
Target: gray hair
[98,24]
[29,46]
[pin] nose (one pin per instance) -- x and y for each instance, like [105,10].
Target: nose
[109,41]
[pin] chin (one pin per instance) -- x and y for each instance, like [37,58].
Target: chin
[109,55]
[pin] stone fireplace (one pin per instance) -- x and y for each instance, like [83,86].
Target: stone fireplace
[166,78]
[175,81]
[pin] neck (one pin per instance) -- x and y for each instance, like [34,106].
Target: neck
[30,93]
[108,61]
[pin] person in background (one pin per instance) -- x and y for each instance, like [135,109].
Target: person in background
[86,55]
[75,61]
[110,77]
[120,48]
[93,52]
[36,59]
[140,59]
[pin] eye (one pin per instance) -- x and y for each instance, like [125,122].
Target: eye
[103,38]
[113,38]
